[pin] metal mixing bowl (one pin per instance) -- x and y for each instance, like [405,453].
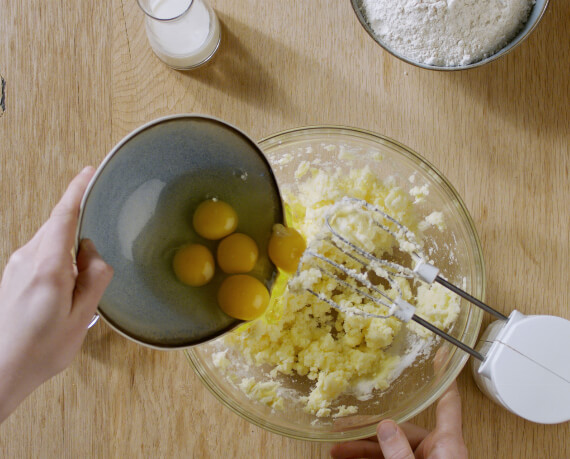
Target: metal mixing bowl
[421,383]
[534,18]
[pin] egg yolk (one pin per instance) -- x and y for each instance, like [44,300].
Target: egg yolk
[214,219]
[193,265]
[243,297]
[286,246]
[237,253]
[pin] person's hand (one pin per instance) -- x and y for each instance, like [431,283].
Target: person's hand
[411,442]
[47,300]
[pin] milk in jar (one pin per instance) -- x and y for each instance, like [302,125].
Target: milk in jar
[183,33]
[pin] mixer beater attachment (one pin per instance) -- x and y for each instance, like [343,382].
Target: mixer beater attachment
[520,363]
[358,280]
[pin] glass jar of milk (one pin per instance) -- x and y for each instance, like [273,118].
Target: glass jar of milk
[183,33]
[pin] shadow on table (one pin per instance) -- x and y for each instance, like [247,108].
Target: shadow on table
[107,347]
[529,86]
[235,71]
[123,357]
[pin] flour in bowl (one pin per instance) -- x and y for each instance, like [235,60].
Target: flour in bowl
[446,33]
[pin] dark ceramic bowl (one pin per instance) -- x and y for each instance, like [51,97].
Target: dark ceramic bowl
[138,211]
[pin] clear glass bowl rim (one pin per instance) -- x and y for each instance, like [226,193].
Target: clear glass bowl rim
[476,316]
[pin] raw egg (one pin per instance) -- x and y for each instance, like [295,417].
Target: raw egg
[193,265]
[286,246]
[243,297]
[237,253]
[214,219]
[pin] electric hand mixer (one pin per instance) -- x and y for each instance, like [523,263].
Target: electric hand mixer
[521,362]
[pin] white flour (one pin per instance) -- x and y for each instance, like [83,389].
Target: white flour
[446,32]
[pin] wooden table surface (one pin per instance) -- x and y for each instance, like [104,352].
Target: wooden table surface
[81,75]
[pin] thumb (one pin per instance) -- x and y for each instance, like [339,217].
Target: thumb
[393,441]
[94,275]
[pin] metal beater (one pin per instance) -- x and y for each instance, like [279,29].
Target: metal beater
[519,362]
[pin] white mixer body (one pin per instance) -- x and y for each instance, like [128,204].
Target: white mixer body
[527,366]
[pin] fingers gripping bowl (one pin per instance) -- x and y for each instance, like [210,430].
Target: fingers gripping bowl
[249,384]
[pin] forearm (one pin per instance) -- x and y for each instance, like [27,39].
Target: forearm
[15,386]
[8,399]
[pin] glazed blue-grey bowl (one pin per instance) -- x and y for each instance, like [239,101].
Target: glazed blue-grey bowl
[138,210]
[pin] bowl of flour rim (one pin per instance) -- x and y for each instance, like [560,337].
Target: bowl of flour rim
[409,30]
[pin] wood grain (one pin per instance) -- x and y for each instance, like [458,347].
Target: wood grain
[80,76]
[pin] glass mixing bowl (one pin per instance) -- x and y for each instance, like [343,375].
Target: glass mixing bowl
[455,251]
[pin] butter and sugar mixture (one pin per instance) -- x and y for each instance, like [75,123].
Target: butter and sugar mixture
[301,336]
